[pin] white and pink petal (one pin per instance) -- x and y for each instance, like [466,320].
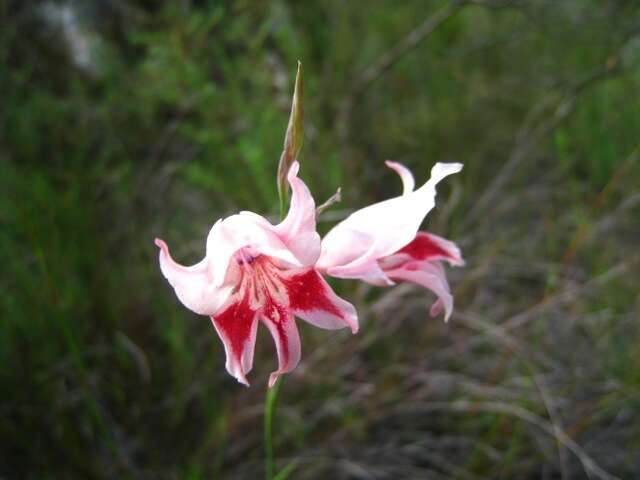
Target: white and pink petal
[366,268]
[408,182]
[194,284]
[298,229]
[383,228]
[244,231]
[431,276]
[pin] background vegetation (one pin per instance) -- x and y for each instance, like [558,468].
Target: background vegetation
[121,120]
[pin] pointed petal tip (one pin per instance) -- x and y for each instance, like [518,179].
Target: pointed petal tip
[408,182]
[160,243]
[293,170]
[438,307]
[243,381]
[351,319]
[273,378]
[240,376]
[446,168]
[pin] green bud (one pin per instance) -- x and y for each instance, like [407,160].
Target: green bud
[292,140]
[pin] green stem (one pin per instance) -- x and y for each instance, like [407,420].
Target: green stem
[283,205]
[269,409]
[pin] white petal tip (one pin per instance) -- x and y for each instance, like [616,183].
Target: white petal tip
[443,169]
[243,380]
[273,378]
[293,170]
[160,243]
[353,325]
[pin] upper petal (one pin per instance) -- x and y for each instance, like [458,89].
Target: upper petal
[193,285]
[430,275]
[382,228]
[298,229]
[408,182]
[246,230]
[294,240]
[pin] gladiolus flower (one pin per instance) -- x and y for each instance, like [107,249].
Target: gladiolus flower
[254,270]
[380,244]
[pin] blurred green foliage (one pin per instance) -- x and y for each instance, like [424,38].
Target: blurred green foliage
[178,119]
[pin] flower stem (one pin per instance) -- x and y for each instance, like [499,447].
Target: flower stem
[269,409]
[283,206]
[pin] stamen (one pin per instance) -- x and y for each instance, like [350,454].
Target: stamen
[245,259]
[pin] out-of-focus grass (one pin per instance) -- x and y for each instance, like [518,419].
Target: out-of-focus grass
[180,121]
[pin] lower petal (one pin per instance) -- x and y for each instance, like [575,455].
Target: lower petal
[430,275]
[284,331]
[236,325]
[427,246]
[312,299]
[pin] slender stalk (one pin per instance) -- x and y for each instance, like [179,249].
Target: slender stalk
[269,409]
[283,206]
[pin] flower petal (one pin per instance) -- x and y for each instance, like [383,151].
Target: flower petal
[430,275]
[298,229]
[193,285]
[382,228]
[408,182]
[366,268]
[246,230]
[236,325]
[284,331]
[427,246]
[312,299]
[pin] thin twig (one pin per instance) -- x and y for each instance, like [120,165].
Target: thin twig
[335,198]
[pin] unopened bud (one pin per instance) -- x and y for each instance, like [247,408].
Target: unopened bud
[292,140]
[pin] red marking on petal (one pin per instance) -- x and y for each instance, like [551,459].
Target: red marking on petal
[307,292]
[423,247]
[278,315]
[236,321]
[280,322]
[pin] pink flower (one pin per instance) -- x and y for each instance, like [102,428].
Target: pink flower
[380,244]
[254,270]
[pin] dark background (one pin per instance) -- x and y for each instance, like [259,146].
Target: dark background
[122,120]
